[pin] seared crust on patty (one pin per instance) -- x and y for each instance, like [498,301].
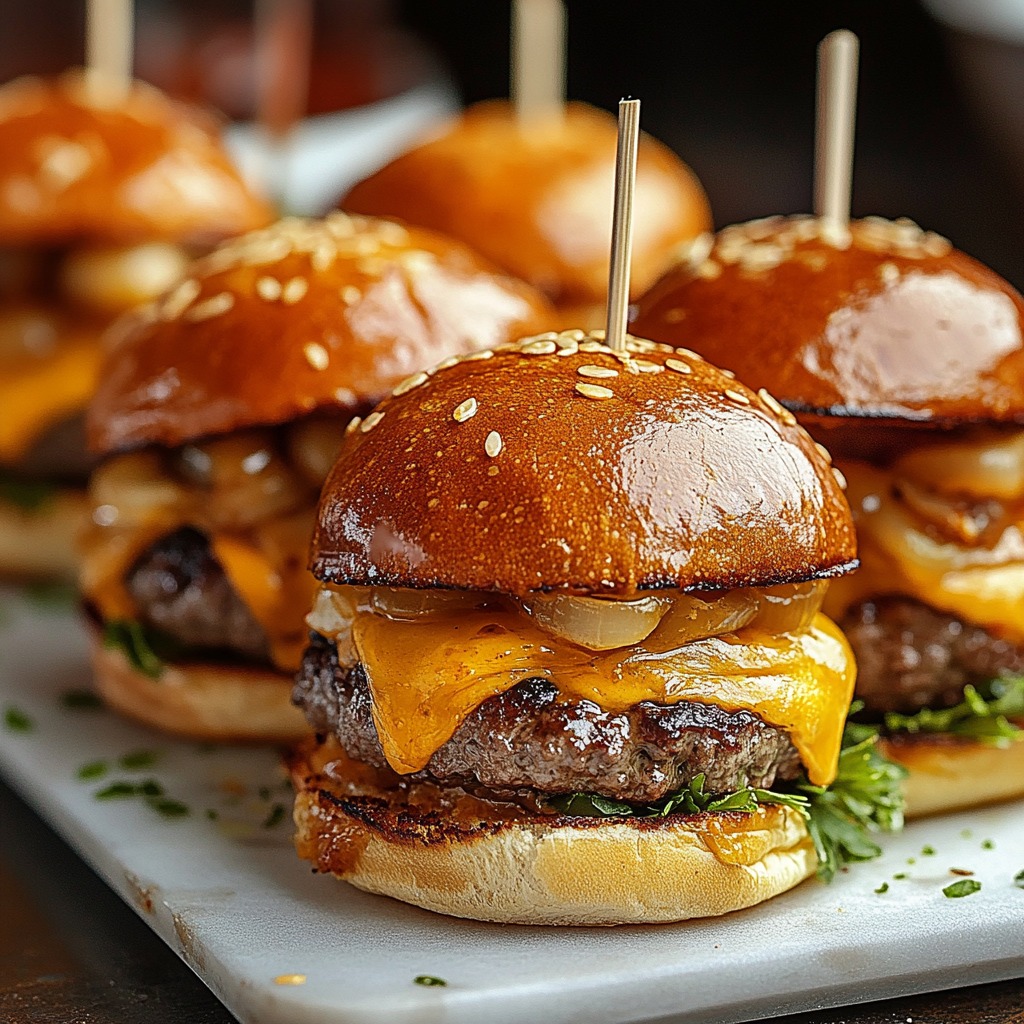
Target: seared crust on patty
[911,656]
[527,737]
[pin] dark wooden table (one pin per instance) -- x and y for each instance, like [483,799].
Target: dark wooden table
[71,952]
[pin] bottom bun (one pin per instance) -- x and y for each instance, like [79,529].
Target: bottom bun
[457,854]
[948,773]
[41,543]
[201,701]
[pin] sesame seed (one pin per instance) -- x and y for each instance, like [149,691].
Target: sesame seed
[593,390]
[771,402]
[840,479]
[889,273]
[728,373]
[370,422]
[678,365]
[316,355]
[569,350]
[492,444]
[473,356]
[294,290]
[593,346]
[350,295]
[268,288]
[575,335]
[687,353]
[787,417]
[645,366]
[737,396]
[445,364]
[539,348]
[599,333]
[323,256]
[211,307]
[599,372]
[353,424]
[464,410]
[409,383]
[824,452]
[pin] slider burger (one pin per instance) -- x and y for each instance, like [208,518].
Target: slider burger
[906,358]
[218,414]
[533,198]
[567,663]
[105,196]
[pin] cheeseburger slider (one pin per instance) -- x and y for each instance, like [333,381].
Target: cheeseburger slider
[218,414]
[533,197]
[105,195]
[567,662]
[906,358]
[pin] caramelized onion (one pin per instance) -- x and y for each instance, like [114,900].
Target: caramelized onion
[989,464]
[313,446]
[134,488]
[595,623]
[333,612]
[406,603]
[112,279]
[693,618]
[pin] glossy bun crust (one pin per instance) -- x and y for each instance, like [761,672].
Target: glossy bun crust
[301,316]
[889,321]
[540,869]
[537,199]
[79,160]
[583,471]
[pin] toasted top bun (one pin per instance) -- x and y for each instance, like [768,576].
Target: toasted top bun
[82,160]
[884,321]
[301,316]
[537,198]
[572,467]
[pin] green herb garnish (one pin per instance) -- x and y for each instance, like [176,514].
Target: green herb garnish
[985,715]
[136,643]
[17,721]
[927,851]
[884,887]
[429,980]
[866,797]
[28,495]
[117,791]
[80,700]
[92,770]
[275,817]
[965,887]
[900,876]
[150,791]
[50,594]
[137,760]
[988,844]
[168,808]
[1018,879]
[212,814]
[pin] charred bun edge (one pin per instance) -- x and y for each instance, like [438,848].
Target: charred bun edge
[551,870]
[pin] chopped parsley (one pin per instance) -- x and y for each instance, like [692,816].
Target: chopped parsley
[988,844]
[47,594]
[965,887]
[1018,879]
[429,981]
[927,851]
[148,790]
[275,817]
[884,887]
[145,649]
[92,770]
[80,700]
[985,714]
[16,720]
[137,760]
[866,797]
[169,808]
[900,876]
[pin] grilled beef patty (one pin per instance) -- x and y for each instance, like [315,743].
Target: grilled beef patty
[527,737]
[911,656]
[181,589]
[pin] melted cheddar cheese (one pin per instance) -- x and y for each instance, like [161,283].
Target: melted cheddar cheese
[899,554]
[426,675]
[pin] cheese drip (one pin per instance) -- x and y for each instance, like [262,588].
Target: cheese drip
[901,552]
[427,675]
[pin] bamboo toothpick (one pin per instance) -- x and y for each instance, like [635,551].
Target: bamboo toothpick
[836,121]
[538,58]
[622,224]
[110,26]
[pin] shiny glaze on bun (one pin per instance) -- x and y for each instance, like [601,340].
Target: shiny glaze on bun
[301,316]
[557,464]
[884,321]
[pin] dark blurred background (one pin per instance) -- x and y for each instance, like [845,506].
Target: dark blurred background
[729,85]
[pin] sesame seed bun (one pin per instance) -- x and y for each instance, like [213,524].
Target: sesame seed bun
[539,869]
[574,468]
[534,198]
[204,701]
[301,316]
[950,773]
[81,160]
[885,321]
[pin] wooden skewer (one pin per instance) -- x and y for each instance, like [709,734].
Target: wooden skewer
[538,58]
[110,26]
[836,120]
[622,224]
